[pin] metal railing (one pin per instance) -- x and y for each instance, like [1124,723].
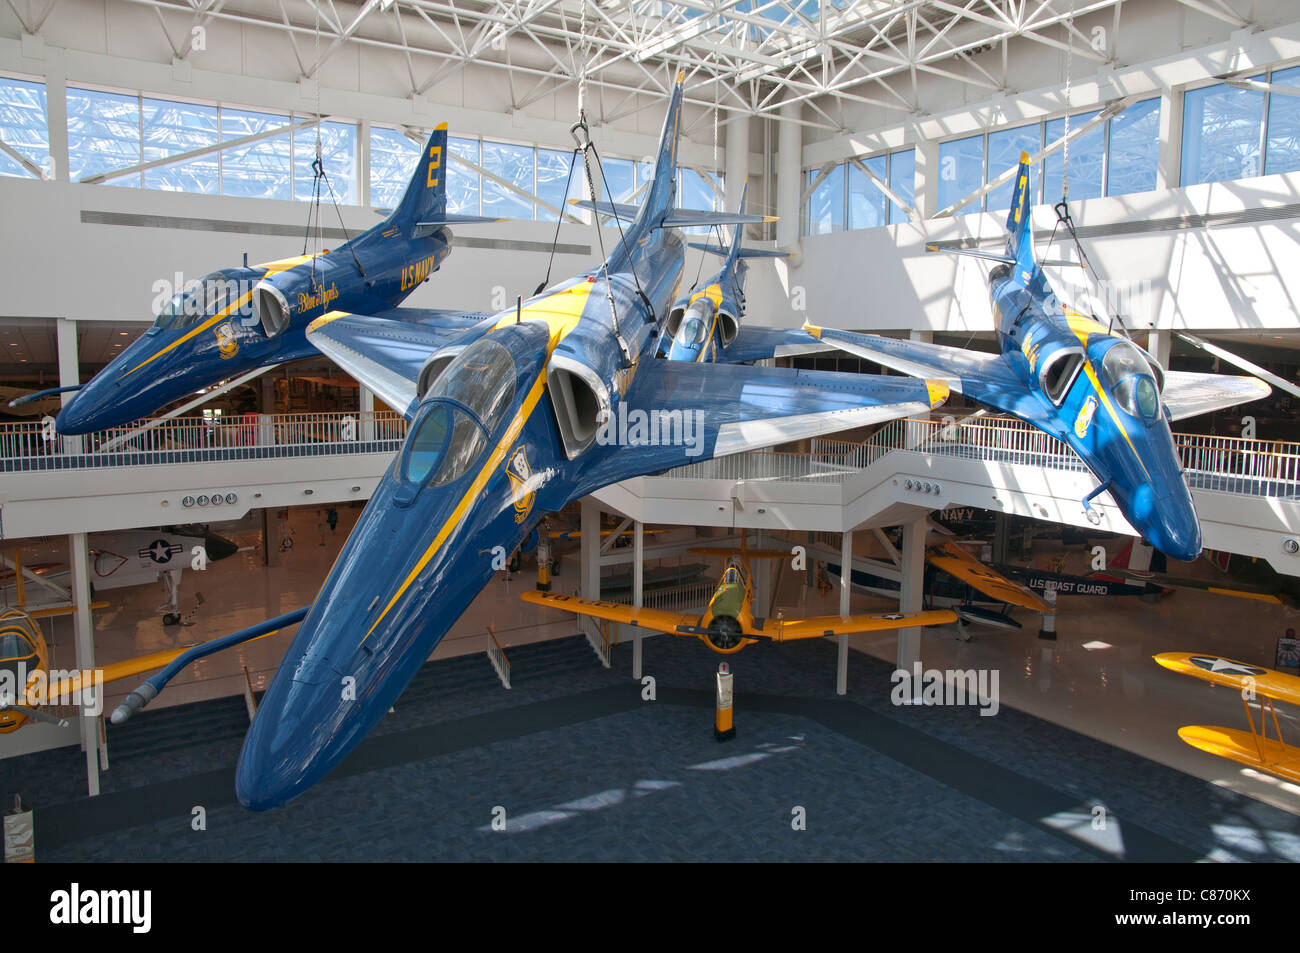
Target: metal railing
[36,446]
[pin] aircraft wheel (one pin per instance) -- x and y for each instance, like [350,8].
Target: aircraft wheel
[516,562]
[172,618]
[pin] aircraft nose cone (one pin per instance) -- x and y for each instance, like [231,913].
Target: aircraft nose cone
[296,738]
[79,415]
[1171,525]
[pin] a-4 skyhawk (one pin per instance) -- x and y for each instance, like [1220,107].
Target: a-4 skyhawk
[511,420]
[1078,380]
[235,320]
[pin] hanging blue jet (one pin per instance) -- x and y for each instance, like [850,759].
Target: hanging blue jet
[704,325]
[238,319]
[510,420]
[1078,380]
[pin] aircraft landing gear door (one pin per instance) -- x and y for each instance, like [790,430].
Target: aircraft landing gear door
[723,728]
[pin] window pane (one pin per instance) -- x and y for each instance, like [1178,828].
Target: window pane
[392,160]
[826,204]
[171,128]
[1005,147]
[1283,146]
[259,169]
[23,125]
[902,182]
[103,135]
[553,174]
[620,175]
[463,185]
[1221,131]
[1134,149]
[515,165]
[866,201]
[1085,160]
[694,192]
[961,171]
[338,142]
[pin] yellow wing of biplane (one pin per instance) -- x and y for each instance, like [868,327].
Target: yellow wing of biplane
[1252,748]
[817,627]
[960,564]
[113,671]
[656,619]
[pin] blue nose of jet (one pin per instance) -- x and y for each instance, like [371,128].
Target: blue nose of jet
[1168,523]
[86,411]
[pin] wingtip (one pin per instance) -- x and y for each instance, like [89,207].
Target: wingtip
[441,127]
[938,391]
[1024,157]
[681,77]
[812,329]
[769,219]
[325,319]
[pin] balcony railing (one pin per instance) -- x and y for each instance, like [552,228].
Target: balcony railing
[36,446]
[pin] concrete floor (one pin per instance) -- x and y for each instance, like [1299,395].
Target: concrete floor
[1097,678]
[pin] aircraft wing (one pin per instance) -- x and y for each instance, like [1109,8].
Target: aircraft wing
[960,564]
[817,627]
[1187,394]
[1226,588]
[1233,674]
[731,408]
[978,375]
[758,344]
[676,218]
[386,354]
[656,619]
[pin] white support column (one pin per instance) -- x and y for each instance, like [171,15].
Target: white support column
[789,178]
[911,591]
[638,590]
[589,548]
[363,163]
[79,558]
[366,405]
[846,591]
[926,200]
[1159,343]
[56,114]
[1169,156]
[737,160]
[69,369]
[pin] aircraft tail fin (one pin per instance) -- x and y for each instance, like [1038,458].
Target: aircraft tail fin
[1020,239]
[661,196]
[425,198]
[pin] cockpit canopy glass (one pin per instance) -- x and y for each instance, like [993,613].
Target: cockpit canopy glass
[17,657]
[460,412]
[1131,380]
[692,332]
[199,299]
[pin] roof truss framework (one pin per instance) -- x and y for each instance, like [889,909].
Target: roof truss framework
[744,57]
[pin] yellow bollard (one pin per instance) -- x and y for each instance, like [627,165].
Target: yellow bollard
[723,729]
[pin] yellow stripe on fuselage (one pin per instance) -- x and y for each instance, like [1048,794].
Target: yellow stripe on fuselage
[1083,328]
[272,268]
[560,312]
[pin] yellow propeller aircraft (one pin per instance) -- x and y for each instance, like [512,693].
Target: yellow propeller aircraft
[728,624]
[1254,748]
[28,688]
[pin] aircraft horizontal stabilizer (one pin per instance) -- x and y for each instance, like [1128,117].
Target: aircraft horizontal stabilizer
[386,354]
[722,252]
[1187,394]
[759,344]
[676,218]
[428,228]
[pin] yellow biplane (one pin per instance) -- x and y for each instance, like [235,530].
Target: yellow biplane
[728,624]
[1252,748]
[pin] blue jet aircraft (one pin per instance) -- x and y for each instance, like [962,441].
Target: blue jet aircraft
[238,319]
[704,325]
[1077,380]
[510,420]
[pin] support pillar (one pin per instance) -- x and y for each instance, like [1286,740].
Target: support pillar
[926,199]
[1160,344]
[56,115]
[79,559]
[366,407]
[846,591]
[911,591]
[638,590]
[270,529]
[737,160]
[69,370]
[589,549]
[789,177]
[1169,155]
